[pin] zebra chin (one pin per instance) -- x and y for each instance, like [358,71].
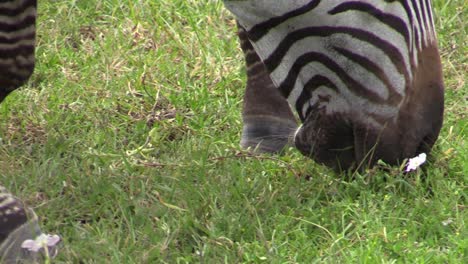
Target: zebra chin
[327,140]
[344,145]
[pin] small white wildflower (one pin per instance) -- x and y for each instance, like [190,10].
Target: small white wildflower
[447,222]
[415,162]
[41,241]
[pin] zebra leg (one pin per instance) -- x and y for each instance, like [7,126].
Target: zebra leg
[267,117]
[17,43]
[18,224]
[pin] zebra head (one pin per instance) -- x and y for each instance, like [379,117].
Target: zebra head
[364,77]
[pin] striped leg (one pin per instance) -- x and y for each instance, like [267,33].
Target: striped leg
[268,120]
[17,223]
[17,41]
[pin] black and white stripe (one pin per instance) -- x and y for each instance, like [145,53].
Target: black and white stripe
[17,43]
[17,40]
[344,56]
[17,223]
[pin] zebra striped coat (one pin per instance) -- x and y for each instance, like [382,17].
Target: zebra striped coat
[17,39]
[364,77]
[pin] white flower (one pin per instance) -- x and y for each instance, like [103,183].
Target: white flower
[41,241]
[415,162]
[447,222]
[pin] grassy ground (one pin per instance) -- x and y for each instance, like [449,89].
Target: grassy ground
[126,140]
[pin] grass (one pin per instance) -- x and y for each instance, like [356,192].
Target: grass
[125,142]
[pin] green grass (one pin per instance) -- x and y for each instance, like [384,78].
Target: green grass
[125,142]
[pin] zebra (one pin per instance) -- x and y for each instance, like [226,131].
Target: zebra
[17,43]
[364,78]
